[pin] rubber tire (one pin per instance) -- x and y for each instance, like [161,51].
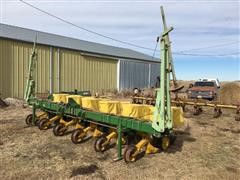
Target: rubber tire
[28,120]
[128,153]
[98,144]
[57,130]
[75,134]
[42,123]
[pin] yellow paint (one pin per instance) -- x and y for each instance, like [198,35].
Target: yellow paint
[41,114]
[89,128]
[60,98]
[97,133]
[151,149]
[110,107]
[90,103]
[62,121]
[78,126]
[177,114]
[135,110]
[55,118]
[111,136]
[141,144]
[178,119]
[68,123]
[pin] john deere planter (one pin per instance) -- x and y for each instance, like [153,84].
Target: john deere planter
[138,127]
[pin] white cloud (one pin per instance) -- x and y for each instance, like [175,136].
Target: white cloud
[196,24]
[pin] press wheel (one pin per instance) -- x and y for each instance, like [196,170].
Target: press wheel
[59,129]
[77,136]
[29,120]
[43,124]
[128,154]
[100,144]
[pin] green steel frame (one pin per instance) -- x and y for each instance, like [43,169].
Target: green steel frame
[162,116]
[72,109]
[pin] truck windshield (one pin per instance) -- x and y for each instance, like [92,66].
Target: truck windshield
[204,84]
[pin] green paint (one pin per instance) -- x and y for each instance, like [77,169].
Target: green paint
[72,110]
[119,146]
[162,120]
[30,86]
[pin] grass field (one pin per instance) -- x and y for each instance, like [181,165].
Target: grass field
[206,148]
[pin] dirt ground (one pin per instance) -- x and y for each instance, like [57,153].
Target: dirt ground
[206,148]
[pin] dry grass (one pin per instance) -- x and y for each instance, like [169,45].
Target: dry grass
[207,148]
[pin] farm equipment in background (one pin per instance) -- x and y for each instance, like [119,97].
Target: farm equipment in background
[201,92]
[196,104]
[138,127]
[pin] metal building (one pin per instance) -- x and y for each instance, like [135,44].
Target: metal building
[65,64]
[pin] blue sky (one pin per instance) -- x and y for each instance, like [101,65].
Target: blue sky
[196,24]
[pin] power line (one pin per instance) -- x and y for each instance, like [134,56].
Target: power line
[208,55]
[213,46]
[194,54]
[85,29]
[131,44]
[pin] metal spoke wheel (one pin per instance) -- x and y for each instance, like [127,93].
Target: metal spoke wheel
[100,144]
[59,129]
[43,124]
[128,154]
[77,136]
